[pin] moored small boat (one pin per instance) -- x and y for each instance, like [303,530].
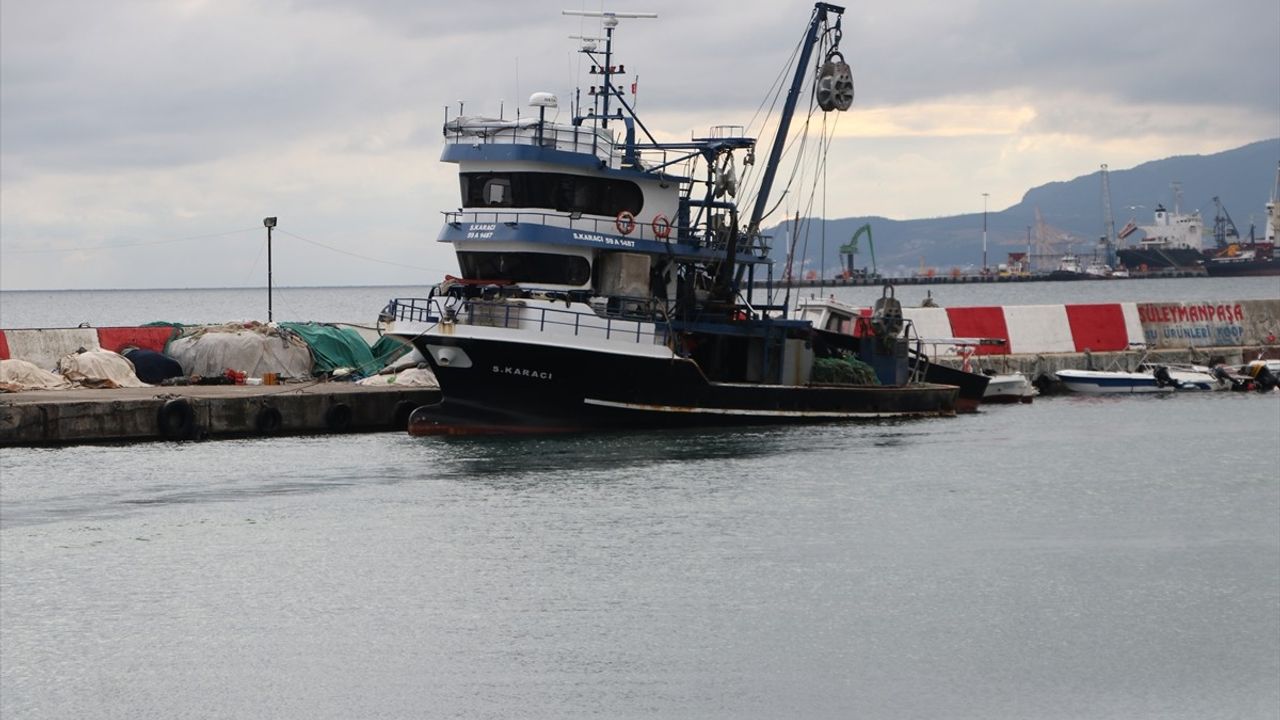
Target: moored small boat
[1009,388]
[1147,379]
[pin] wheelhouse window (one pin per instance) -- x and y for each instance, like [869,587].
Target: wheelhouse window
[552,191]
[525,267]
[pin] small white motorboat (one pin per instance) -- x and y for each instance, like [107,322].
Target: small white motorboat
[1147,379]
[1009,388]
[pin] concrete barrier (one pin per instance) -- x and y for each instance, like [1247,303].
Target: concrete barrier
[44,348]
[1210,324]
[1105,327]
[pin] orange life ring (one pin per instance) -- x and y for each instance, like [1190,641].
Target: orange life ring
[661,226]
[626,222]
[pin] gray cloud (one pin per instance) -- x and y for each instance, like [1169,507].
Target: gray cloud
[123,117]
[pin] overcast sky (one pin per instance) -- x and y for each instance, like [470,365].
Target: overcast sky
[142,143]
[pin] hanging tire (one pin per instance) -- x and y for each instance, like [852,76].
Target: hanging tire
[400,417]
[269,420]
[338,417]
[177,419]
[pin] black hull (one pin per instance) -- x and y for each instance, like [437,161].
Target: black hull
[1067,275]
[1243,269]
[972,385]
[513,387]
[1156,258]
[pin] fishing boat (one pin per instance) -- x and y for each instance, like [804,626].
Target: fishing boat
[608,279]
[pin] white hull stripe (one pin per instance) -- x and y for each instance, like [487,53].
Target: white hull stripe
[744,411]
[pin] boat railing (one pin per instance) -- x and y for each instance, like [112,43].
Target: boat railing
[574,139]
[515,314]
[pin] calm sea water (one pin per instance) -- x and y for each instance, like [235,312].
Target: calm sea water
[1073,558]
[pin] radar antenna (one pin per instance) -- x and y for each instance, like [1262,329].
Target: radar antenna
[589,45]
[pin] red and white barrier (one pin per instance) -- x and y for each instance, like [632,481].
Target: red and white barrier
[1025,329]
[1103,327]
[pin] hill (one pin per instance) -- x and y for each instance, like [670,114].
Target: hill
[1071,211]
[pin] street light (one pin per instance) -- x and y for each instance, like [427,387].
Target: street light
[984,233]
[269,223]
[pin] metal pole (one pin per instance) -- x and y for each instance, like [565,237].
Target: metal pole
[984,233]
[1028,249]
[268,273]
[269,223]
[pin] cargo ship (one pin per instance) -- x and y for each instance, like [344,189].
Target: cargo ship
[1236,258]
[1173,240]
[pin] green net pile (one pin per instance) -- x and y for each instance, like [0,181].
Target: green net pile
[842,371]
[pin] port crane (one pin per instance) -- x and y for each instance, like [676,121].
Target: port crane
[849,251]
[1109,221]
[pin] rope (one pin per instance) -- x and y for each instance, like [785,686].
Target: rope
[357,255]
[129,245]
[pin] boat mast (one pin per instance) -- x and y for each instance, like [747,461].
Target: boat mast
[607,70]
[820,10]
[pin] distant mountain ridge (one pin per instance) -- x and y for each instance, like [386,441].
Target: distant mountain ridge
[1072,213]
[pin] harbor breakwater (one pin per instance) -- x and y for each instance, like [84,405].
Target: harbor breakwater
[1195,326]
[1036,340]
[1105,327]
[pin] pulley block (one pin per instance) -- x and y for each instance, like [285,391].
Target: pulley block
[834,87]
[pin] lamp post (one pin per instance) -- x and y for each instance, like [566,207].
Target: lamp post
[984,233]
[1028,249]
[269,223]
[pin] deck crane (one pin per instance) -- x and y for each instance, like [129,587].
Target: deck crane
[849,251]
[1224,229]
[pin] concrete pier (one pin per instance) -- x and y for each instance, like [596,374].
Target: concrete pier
[1040,368]
[194,412]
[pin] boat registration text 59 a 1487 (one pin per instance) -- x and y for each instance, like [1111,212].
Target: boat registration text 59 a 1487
[480,232]
[522,372]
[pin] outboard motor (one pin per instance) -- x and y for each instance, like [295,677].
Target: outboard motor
[1162,377]
[1264,380]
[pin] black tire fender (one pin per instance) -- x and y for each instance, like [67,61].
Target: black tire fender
[338,417]
[400,417]
[177,419]
[268,420]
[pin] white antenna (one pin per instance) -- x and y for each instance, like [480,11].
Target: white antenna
[607,14]
[588,43]
[610,18]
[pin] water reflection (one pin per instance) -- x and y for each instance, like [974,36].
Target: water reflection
[494,458]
